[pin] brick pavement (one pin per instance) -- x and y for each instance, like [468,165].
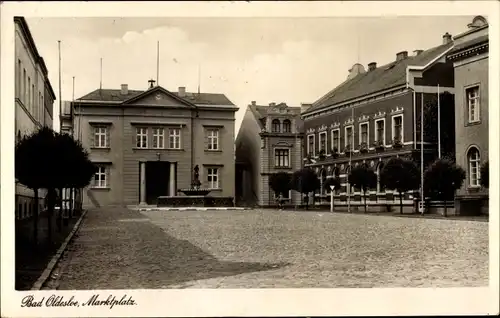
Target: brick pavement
[117,248]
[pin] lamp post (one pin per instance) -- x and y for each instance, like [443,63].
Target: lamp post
[331,198]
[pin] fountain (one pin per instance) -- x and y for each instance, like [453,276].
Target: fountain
[194,196]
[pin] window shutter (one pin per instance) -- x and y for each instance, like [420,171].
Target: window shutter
[107,136]
[206,139]
[219,179]
[107,171]
[92,137]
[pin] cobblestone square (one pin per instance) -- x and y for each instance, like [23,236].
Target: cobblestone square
[121,249]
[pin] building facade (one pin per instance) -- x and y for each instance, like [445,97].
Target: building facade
[470,59]
[34,100]
[375,115]
[147,143]
[270,140]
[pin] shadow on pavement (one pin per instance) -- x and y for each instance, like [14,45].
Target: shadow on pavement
[120,249]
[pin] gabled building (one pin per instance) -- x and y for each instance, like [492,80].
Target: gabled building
[34,100]
[470,60]
[269,141]
[146,143]
[374,115]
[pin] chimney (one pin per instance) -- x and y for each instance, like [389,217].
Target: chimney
[124,90]
[182,91]
[254,103]
[401,55]
[304,107]
[417,52]
[151,83]
[372,66]
[446,38]
[272,104]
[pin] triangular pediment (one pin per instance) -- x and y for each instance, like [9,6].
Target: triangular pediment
[160,97]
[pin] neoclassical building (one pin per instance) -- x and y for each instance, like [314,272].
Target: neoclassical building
[374,116]
[269,141]
[470,60]
[147,143]
[34,100]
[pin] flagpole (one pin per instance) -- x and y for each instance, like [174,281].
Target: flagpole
[60,100]
[439,123]
[71,110]
[100,77]
[350,163]
[158,63]
[422,152]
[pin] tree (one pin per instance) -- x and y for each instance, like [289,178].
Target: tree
[401,175]
[485,174]
[447,109]
[280,183]
[442,178]
[305,181]
[335,182]
[363,178]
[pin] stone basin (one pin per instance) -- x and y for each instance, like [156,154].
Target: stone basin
[194,201]
[195,192]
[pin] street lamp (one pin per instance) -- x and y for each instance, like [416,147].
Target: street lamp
[331,198]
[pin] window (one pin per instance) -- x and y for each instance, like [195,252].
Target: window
[397,128]
[24,89]
[380,131]
[158,138]
[213,178]
[281,157]
[474,170]
[100,177]
[322,141]
[287,126]
[141,137]
[473,103]
[336,139]
[363,133]
[349,137]
[213,139]
[100,137]
[33,98]
[174,138]
[310,145]
[276,125]
[19,79]
[28,94]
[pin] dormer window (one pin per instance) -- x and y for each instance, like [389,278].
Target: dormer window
[287,126]
[276,125]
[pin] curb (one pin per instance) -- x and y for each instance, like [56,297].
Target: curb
[191,209]
[50,267]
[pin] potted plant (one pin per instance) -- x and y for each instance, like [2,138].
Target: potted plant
[321,155]
[363,147]
[347,149]
[335,152]
[379,145]
[396,142]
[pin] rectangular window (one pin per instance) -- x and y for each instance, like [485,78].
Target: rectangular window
[158,138]
[310,145]
[397,128]
[100,177]
[322,141]
[141,137]
[19,79]
[349,137]
[473,103]
[281,157]
[213,139]
[174,138]
[380,130]
[24,89]
[100,137]
[28,95]
[363,133]
[213,178]
[336,139]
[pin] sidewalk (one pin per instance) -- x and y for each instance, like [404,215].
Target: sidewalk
[117,248]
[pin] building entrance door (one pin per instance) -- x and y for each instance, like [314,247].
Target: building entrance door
[157,180]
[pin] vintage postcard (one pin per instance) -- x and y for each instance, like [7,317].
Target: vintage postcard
[249,158]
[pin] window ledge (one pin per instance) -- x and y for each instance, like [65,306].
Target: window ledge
[156,149]
[101,188]
[473,188]
[282,167]
[211,190]
[474,123]
[101,148]
[210,150]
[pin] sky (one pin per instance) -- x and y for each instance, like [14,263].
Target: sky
[291,60]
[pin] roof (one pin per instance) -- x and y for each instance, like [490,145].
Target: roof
[115,95]
[382,78]
[31,45]
[260,113]
[469,44]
